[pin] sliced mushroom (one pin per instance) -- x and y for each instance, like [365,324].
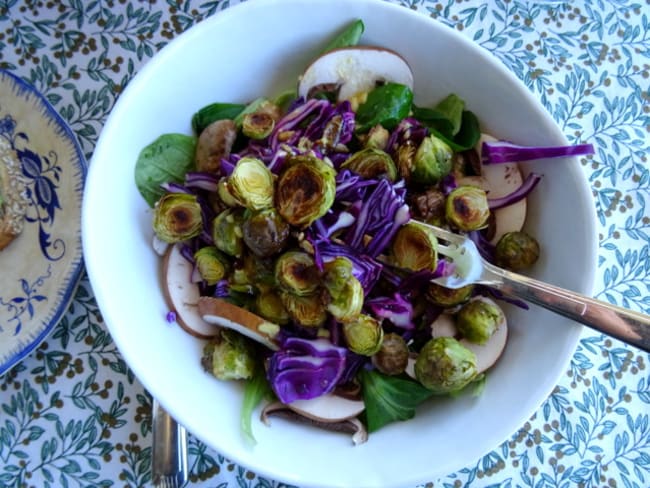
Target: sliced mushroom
[219,312]
[355,70]
[330,412]
[215,142]
[443,326]
[499,180]
[182,295]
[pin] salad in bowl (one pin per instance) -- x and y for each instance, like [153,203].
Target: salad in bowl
[267,232]
[292,237]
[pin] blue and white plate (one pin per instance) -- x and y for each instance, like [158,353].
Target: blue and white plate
[40,269]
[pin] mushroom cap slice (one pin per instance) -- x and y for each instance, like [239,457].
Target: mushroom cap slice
[220,312]
[182,295]
[443,326]
[328,408]
[488,353]
[355,70]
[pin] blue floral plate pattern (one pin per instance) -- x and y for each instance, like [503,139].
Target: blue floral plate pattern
[41,267]
[72,413]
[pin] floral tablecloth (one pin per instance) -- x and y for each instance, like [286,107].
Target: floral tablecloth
[73,414]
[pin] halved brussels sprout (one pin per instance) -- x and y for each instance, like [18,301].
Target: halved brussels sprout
[393,355]
[305,190]
[251,184]
[269,305]
[212,264]
[516,251]
[448,297]
[372,163]
[230,356]
[265,232]
[177,217]
[296,272]
[444,365]
[432,161]
[227,232]
[415,247]
[467,208]
[363,335]
[478,319]
[337,273]
[346,304]
[257,125]
[308,311]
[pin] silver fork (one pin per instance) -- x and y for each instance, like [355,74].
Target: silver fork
[470,267]
[168,451]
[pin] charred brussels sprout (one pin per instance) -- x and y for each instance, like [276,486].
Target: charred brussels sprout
[257,125]
[516,251]
[308,311]
[478,319]
[432,161]
[211,264]
[227,232]
[230,356]
[338,272]
[177,217]
[415,247]
[377,138]
[371,164]
[223,192]
[265,232]
[448,297]
[296,272]
[444,365]
[305,190]
[467,208]
[363,335]
[251,184]
[393,355]
[269,305]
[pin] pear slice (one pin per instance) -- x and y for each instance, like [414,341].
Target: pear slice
[182,296]
[355,70]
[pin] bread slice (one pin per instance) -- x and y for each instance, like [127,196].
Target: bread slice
[13,198]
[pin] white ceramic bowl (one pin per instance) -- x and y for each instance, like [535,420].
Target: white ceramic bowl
[259,48]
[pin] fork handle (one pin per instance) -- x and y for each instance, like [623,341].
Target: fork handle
[169,450]
[627,325]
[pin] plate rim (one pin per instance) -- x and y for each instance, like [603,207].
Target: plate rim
[80,164]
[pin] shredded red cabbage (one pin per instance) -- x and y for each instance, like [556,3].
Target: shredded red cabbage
[305,368]
[398,310]
[494,152]
[526,187]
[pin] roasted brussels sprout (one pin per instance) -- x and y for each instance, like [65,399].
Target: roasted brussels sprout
[372,164]
[308,311]
[305,190]
[377,138]
[227,232]
[223,192]
[257,125]
[478,319]
[444,365]
[448,297]
[253,270]
[229,356]
[346,304]
[177,217]
[393,355]
[415,247]
[265,232]
[296,272]
[516,251]
[337,273]
[467,208]
[363,334]
[251,184]
[432,161]
[269,305]
[212,264]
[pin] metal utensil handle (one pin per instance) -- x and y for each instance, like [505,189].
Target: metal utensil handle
[627,325]
[169,449]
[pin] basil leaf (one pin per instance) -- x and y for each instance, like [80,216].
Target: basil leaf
[213,112]
[433,119]
[167,159]
[389,398]
[467,137]
[255,390]
[386,105]
[350,36]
